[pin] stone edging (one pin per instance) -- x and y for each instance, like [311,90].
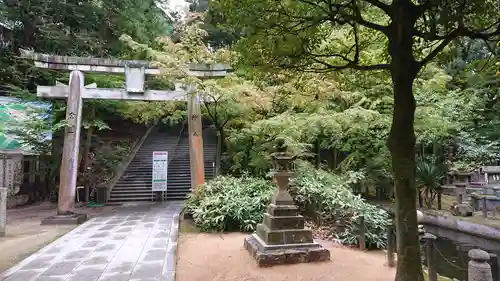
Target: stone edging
[170,265]
[480,230]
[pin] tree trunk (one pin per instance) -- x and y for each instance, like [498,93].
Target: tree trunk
[439,203]
[420,200]
[333,164]
[86,154]
[402,140]
[317,150]
[401,145]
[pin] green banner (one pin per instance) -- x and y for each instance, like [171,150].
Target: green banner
[14,117]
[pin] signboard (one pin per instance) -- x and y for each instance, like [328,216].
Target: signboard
[160,169]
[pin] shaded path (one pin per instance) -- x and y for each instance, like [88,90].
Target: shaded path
[135,243]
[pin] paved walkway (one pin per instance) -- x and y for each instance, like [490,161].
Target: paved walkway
[136,243]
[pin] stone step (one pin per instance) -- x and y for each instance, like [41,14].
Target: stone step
[120,190]
[143,199]
[132,193]
[135,184]
[126,194]
[149,181]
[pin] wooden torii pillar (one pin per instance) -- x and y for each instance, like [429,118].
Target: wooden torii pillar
[76,92]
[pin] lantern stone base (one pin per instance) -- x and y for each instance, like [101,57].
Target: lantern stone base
[269,255]
[73,219]
[282,239]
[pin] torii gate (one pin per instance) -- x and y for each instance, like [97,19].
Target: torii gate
[135,72]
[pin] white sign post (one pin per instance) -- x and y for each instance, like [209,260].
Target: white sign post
[160,171]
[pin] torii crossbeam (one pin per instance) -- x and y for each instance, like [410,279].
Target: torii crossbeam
[135,72]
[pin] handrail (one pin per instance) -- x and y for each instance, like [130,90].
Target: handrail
[171,156]
[123,166]
[178,141]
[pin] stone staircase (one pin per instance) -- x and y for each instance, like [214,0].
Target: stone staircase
[135,183]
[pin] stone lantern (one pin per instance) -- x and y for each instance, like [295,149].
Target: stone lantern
[281,237]
[283,170]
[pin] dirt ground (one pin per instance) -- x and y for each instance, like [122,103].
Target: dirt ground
[221,257]
[25,235]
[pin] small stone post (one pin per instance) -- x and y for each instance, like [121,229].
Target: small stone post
[460,191]
[430,249]
[479,269]
[3,210]
[494,266]
[391,245]
[362,235]
[485,208]
[339,222]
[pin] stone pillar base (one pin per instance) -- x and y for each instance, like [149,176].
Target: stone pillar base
[269,255]
[73,219]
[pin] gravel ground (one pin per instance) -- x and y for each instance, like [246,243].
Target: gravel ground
[25,235]
[221,257]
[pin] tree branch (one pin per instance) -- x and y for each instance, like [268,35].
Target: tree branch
[438,49]
[345,17]
[382,6]
[330,67]
[461,31]
[422,8]
[359,19]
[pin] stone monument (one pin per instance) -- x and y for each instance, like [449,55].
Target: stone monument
[281,238]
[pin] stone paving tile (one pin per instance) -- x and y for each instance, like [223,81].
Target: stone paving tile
[61,268]
[77,255]
[87,274]
[147,270]
[51,278]
[97,260]
[136,243]
[39,263]
[23,275]
[158,243]
[119,277]
[153,255]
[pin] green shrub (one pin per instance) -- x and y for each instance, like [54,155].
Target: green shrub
[228,203]
[321,194]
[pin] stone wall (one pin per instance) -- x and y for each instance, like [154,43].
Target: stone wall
[17,200]
[459,225]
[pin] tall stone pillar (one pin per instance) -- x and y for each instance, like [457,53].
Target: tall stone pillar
[69,163]
[281,237]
